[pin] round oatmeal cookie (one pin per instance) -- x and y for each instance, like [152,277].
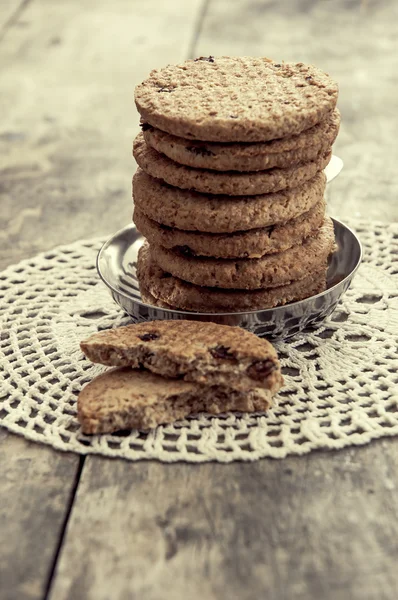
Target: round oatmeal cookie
[165,291]
[235,99]
[254,243]
[231,183]
[192,211]
[257,156]
[249,274]
[224,319]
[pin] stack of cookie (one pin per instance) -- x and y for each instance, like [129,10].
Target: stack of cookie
[230,187]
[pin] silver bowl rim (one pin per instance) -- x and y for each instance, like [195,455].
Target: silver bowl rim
[227,314]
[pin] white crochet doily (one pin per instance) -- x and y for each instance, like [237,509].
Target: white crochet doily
[341,380]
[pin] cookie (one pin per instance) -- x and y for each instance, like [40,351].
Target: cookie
[191,211]
[258,156]
[231,183]
[163,290]
[122,399]
[235,99]
[205,353]
[148,298]
[243,244]
[249,274]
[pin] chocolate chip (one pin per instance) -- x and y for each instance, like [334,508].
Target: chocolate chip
[209,59]
[309,78]
[148,337]
[145,126]
[200,150]
[222,352]
[233,117]
[277,65]
[261,369]
[166,89]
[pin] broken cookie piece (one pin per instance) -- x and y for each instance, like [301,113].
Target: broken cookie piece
[201,352]
[124,398]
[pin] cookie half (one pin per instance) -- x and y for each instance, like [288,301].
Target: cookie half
[162,289]
[243,244]
[192,211]
[206,353]
[231,183]
[123,398]
[249,274]
[258,156]
[236,99]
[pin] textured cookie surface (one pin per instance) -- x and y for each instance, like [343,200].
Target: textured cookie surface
[283,152]
[241,99]
[269,271]
[243,244]
[123,398]
[206,353]
[216,182]
[192,211]
[161,289]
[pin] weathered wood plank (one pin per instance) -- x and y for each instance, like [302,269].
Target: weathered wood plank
[68,116]
[356,42]
[322,526]
[36,486]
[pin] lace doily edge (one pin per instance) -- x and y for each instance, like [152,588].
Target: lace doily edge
[322,443]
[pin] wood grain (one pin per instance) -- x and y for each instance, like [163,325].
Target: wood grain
[321,526]
[68,116]
[357,43]
[35,489]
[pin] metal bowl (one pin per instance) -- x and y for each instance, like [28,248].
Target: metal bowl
[116,264]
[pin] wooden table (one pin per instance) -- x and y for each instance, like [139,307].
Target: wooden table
[322,526]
